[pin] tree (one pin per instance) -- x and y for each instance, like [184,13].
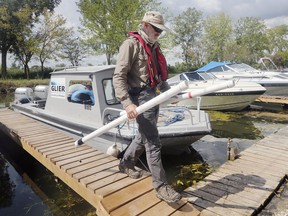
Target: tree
[277,39]
[106,23]
[26,40]
[9,23]
[73,50]
[217,36]
[250,33]
[187,27]
[52,33]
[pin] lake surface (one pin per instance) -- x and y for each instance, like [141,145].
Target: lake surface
[28,188]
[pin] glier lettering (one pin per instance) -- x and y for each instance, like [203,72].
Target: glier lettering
[58,88]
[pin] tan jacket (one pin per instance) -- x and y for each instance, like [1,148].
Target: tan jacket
[132,70]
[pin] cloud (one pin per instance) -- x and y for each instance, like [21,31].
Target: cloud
[70,11]
[272,12]
[263,9]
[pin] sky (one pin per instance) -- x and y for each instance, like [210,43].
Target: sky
[273,12]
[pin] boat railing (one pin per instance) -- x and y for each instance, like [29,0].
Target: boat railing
[64,68]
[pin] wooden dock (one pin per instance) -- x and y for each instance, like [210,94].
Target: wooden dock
[239,187]
[91,173]
[273,99]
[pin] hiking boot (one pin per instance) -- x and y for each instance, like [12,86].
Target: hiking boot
[131,172]
[168,194]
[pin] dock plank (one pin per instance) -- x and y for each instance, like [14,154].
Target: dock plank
[163,208]
[102,164]
[123,196]
[79,158]
[138,205]
[59,141]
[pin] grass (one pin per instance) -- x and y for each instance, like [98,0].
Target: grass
[9,85]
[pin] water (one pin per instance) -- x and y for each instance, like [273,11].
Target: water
[28,188]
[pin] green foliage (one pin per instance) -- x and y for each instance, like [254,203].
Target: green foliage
[51,33]
[15,17]
[26,41]
[9,85]
[179,68]
[190,174]
[35,73]
[250,33]
[281,59]
[74,50]
[277,39]
[187,27]
[106,24]
[218,32]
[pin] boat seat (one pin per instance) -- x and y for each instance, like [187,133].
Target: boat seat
[83,99]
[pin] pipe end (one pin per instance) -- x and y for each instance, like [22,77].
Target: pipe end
[78,143]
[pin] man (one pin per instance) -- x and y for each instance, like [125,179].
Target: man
[140,69]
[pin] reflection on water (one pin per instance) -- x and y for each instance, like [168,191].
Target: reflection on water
[7,188]
[5,100]
[233,124]
[28,188]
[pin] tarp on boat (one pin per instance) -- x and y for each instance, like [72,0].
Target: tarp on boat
[211,65]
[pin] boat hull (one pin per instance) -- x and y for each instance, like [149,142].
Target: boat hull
[223,101]
[175,142]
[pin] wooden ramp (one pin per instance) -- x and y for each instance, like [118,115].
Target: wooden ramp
[243,186]
[91,173]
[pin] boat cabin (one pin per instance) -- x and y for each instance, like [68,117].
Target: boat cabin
[83,94]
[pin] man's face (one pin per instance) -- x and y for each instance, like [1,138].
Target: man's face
[152,32]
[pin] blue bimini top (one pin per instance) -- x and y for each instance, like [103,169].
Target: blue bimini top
[211,65]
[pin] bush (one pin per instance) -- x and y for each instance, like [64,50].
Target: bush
[16,72]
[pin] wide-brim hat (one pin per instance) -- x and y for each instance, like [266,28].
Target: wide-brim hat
[156,19]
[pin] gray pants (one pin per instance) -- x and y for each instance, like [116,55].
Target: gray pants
[147,139]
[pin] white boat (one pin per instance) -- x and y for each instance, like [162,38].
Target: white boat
[233,99]
[178,126]
[276,83]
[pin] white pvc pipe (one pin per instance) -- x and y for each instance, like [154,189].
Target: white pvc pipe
[200,92]
[140,109]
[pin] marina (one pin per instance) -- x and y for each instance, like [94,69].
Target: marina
[109,191]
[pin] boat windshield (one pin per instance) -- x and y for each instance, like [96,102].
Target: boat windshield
[243,68]
[199,76]
[109,92]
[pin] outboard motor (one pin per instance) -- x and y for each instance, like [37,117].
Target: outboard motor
[23,95]
[41,92]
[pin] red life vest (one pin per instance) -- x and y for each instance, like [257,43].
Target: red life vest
[154,76]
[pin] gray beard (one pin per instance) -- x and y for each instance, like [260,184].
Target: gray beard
[149,40]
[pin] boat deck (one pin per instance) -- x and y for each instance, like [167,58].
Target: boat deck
[239,187]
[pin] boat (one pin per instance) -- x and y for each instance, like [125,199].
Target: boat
[53,104]
[275,83]
[235,98]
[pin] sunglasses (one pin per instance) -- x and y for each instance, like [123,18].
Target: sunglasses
[157,29]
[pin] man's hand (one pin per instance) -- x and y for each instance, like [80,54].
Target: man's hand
[131,111]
